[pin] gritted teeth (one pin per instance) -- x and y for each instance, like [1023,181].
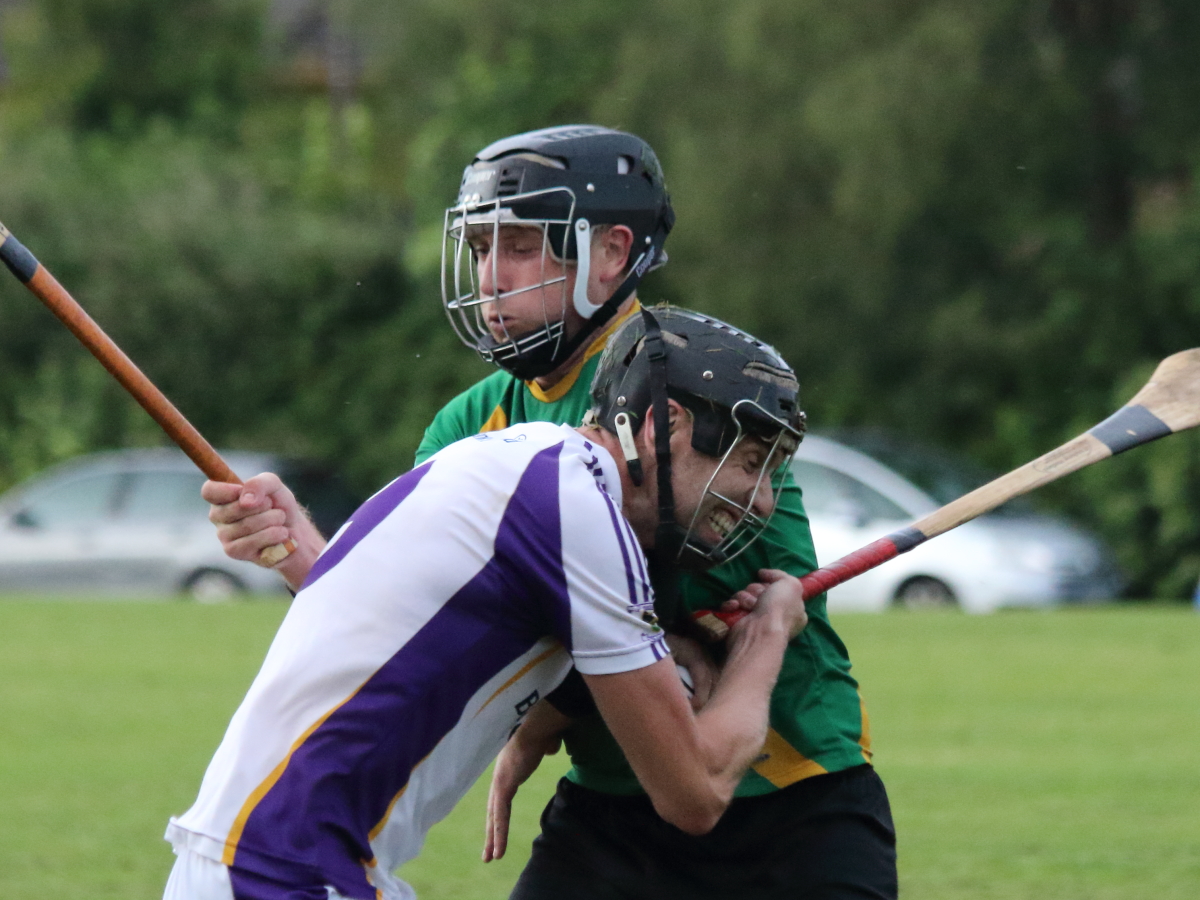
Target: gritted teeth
[722,522]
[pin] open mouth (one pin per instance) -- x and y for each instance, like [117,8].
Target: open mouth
[722,522]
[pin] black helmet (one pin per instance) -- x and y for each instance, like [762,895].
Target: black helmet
[565,181]
[733,385]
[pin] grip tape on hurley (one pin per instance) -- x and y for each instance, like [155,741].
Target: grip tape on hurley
[20,261]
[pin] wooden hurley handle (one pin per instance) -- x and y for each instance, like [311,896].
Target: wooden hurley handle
[1168,403]
[46,288]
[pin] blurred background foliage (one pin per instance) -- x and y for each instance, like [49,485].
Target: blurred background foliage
[974,224]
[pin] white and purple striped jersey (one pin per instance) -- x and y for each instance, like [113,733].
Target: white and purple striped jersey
[447,605]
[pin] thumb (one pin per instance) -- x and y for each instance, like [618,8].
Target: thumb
[770,576]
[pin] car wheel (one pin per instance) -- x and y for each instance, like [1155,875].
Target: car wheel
[212,586]
[924,592]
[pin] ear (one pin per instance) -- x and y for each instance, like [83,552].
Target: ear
[610,253]
[679,418]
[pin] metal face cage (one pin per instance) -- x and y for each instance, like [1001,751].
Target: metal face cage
[748,525]
[462,298]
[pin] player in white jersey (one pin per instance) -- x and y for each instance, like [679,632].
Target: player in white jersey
[462,593]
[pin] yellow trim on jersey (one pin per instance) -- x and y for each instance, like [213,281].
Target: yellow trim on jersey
[536,661]
[387,814]
[782,764]
[864,739]
[497,421]
[239,824]
[559,390]
[374,832]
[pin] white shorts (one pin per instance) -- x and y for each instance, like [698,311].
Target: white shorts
[196,877]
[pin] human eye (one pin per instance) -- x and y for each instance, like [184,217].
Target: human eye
[526,247]
[753,461]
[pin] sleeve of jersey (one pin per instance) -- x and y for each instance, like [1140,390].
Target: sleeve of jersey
[612,623]
[449,425]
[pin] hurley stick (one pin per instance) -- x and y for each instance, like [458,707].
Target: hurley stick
[34,276]
[1169,402]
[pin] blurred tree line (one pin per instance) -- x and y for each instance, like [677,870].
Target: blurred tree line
[975,224]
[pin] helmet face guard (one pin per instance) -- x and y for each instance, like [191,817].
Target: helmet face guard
[747,525]
[565,182]
[735,388]
[465,303]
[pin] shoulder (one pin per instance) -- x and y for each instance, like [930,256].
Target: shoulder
[467,413]
[514,446]
[554,460]
[479,398]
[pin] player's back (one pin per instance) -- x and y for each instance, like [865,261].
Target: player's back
[435,594]
[433,620]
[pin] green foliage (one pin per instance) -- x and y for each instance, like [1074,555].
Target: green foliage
[232,300]
[973,223]
[181,61]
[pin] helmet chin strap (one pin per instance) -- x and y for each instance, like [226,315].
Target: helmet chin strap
[671,544]
[668,537]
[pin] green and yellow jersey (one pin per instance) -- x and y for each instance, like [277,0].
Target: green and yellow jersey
[818,723]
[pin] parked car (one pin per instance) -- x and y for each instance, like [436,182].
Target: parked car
[1014,556]
[133,522]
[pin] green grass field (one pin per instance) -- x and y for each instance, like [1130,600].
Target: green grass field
[1028,755]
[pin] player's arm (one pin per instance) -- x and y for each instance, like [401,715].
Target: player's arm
[539,735]
[688,763]
[259,514]
[263,512]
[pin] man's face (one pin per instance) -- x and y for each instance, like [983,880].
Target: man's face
[522,285]
[712,496]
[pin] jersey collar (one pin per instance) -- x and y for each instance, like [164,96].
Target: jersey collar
[560,390]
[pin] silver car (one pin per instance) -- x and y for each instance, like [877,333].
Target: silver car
[132,522]
[1014,556]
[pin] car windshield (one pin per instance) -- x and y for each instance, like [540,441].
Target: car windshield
[943,476]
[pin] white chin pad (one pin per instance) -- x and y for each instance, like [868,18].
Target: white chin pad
[583,253]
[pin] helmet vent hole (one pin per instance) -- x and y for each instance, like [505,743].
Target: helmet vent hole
[624,165]
[509,185]
[675,340]
[771,375]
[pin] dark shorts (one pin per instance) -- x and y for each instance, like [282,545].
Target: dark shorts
[822,838]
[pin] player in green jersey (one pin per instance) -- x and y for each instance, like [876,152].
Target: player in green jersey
[545,247]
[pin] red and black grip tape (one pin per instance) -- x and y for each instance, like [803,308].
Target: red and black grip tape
[821,580]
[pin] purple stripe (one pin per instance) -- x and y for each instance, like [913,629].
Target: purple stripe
[640,559]
[248,886]
[530,539]
[617,518]
[364,520]
[338,784]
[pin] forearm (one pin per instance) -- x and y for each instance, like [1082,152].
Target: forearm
[539,735]
[691,764]
[309,544]
[732,726]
